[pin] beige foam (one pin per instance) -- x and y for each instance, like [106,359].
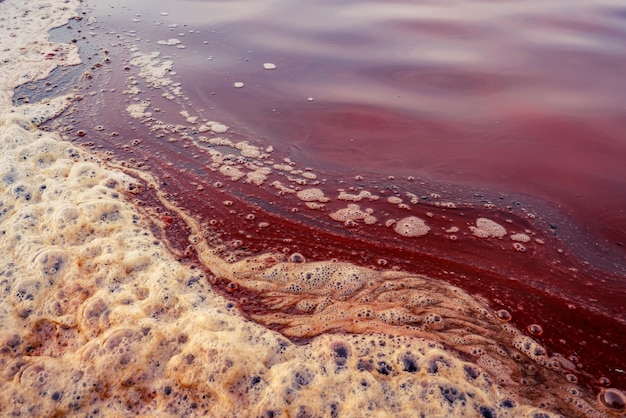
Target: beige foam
[486,228]
[411,226]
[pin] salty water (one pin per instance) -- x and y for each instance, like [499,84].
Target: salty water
[512,111]
[523,97]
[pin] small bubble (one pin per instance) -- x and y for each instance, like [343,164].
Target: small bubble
[471,372]
[613,399]
[486,412]
[365,365]
[410,365]
[504,315]
[341,353]
[384,368]
[296,258]
[535,329]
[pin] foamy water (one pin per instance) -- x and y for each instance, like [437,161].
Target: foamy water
[102,314]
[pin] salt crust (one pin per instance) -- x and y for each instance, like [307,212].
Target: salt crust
[25,58]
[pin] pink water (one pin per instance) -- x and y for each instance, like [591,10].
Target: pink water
[525,97]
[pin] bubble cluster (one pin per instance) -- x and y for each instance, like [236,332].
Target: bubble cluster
[312,195]
[411,226]
[353,213]
[486,228]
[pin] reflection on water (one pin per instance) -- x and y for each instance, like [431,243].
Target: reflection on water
[525,97]
[451,114]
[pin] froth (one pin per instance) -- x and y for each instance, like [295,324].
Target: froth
[486,228]
[411,226]
[98,316]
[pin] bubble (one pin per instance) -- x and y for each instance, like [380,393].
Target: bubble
[486,412]
[535,329]
[409,364]
[269,66]
[238,84]
[519,247]
[341,353]
[51,261]
[613,399]
[452,394]
[471,372]
[303,377]
[296,258]
[383,368]
[504,315]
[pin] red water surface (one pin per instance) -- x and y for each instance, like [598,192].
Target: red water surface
[519,104]
[526,97]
